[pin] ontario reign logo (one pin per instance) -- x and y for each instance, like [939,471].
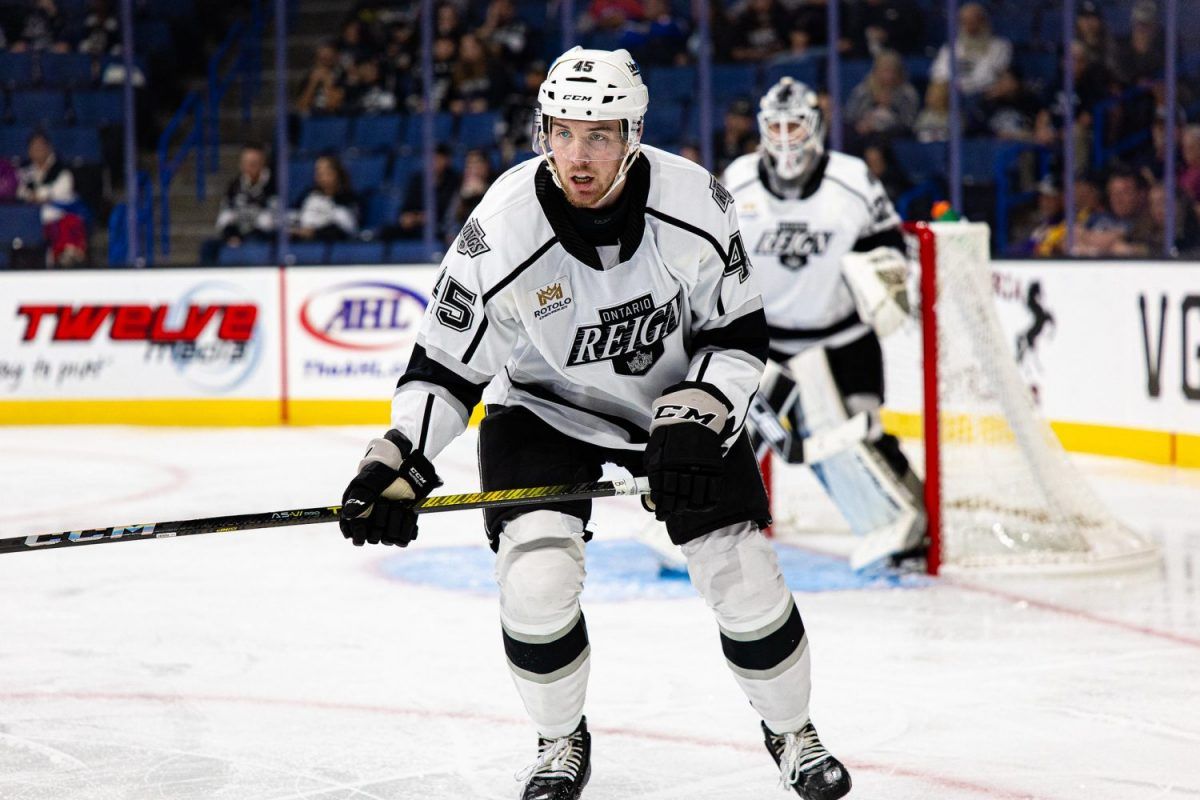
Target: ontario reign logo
[470,240]
[629,335]
[793,243]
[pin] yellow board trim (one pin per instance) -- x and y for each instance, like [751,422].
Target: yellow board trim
[1157,447]
[138,411]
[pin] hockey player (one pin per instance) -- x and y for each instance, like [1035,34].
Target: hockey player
[824,238]
[602,297]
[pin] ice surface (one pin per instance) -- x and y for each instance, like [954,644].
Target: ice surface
[288,664]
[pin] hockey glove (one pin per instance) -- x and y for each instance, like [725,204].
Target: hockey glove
[377,507]
[683,458]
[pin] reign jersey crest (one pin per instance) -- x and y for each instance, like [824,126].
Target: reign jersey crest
[629,335]
[793,243]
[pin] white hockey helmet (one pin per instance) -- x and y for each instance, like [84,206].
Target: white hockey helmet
[791,129]
[594,85]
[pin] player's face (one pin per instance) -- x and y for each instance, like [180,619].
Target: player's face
[587,156]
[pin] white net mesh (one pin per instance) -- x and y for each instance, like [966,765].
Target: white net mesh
[1010,497]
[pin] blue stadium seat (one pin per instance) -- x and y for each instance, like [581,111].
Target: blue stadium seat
[5,258]
[77,145]
[357,253]
[248,254]
[403,168]
[152,37]
[40,108]
[408,251]
[978,161]
[366,172]
[383,208]
[921,161]
[664,123]
[21,223]
[322,134]
[98,107]
[918,68]
[806,70]
[443,130]
[478,130]
[16,69]
[734,80]
[300,180]
[66,70]
[852,73]
[672,84]
[307,253]
[378,133]
[13,141]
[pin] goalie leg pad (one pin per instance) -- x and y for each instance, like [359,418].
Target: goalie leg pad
[762,635]
[540,570]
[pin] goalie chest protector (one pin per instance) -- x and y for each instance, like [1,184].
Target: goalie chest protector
[796,246]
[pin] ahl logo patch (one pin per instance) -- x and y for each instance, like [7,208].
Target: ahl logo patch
[719,193]
[630,335]
[552,298]
[471,240]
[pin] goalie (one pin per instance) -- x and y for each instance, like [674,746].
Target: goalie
[827,247]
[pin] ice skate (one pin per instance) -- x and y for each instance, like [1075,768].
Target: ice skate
[806,766]
[562,768]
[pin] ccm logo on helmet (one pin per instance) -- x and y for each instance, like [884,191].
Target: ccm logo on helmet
[570,97]
[684,413]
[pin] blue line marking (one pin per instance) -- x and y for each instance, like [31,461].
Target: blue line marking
[625,569]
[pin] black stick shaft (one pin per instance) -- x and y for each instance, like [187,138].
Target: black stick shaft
[308,516]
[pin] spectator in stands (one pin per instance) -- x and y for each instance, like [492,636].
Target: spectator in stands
[882,163]
[1130,231]
[101,30]
[445,53]
[885,104]
[738,136]
[477,177]
[400,53]
[890,25]
[612,14]
[809,30]
[982,56]
[659,39]
[1008,110]
[325,86]
[933,123]
[691,152]
[1187,227]
[44,28]
[1189,176]
[519,109]
[476,84]
[329,210]
[507,35]
[448,22]
[1092,33]
[1048,237]
[1139,57]
[369,93]
[412,215]
[724,35]
[353,47]
[250,202]
[761,31]
[48,183]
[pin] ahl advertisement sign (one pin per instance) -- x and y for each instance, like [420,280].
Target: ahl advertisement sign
[351,329]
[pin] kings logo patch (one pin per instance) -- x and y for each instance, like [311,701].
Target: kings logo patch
[471,240]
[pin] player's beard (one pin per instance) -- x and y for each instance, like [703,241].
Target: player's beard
[587,194]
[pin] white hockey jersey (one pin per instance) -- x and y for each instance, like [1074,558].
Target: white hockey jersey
[797,246]
[587,338]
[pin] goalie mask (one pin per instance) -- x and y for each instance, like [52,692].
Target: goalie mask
[792,131]
[595,86]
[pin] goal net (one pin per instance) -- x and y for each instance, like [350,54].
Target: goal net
[1001,493]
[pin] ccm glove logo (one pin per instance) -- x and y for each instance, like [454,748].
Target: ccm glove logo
[685,414]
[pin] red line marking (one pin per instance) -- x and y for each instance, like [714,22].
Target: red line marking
[1043,605]
[176,477]
[470,716]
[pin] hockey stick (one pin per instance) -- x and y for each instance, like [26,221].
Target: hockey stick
[499,498]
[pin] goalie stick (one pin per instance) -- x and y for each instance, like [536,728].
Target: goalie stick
[811,449]
[560,493]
